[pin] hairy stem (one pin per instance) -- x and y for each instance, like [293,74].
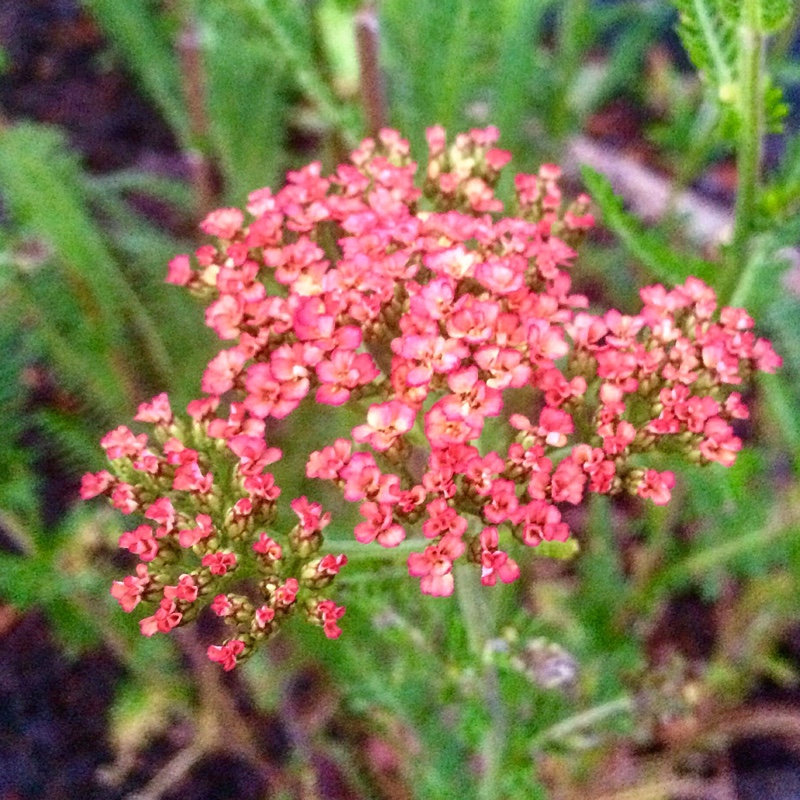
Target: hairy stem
[477,617]
[750,141]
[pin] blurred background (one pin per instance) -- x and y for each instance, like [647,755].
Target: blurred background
[669,654]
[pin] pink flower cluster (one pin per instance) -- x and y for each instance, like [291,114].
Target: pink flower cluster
[208,505]
[435,313]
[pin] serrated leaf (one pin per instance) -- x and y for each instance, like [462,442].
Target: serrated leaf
[710,40]
[647,246]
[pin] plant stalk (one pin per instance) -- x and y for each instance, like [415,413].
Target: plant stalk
[750,141]
[478,617]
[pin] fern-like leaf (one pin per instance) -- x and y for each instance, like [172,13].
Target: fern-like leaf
[709,37]
[710,31]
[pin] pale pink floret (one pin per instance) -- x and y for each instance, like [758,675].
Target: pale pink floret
[157,411]
[179,271]
[121,443]
[224,222]
[386,423]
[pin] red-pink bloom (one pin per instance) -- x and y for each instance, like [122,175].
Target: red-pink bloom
[96,483]
[253,453]
[186,589]
[443,520]
[262,487]
[344,371]
[128,591]
[225,316]
[219,563]
[435,565]
[267,546]
[222,370]
[141,542]
[719,443]
[180,271]
[327,463]
[503,503]
[164,620]
[379,525]
[312,520]
[222,606]
[189,478]
[226,654]
[330,565]
[263,616]
[124,498]
[495,563]
[163,514]
[656,486]
[443,427]
[567,482]
[328,614]
[191,536]
[539,521]
[767,360]
[554,426]
[286,594]
[616,438]
[363,480]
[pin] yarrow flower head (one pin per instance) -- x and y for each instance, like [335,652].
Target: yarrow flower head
[424,307]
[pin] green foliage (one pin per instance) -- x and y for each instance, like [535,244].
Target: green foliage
[97,304]
[647,246]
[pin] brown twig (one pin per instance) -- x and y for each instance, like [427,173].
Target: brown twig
[216,702]
[194,91]
[373,95]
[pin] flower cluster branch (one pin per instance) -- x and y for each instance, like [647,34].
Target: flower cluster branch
[433,310]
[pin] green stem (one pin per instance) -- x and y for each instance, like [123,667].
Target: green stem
[572,42]
[356,551]
[478,619]
[586,719]
[750,141]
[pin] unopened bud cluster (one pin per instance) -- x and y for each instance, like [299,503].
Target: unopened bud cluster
[430,309]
